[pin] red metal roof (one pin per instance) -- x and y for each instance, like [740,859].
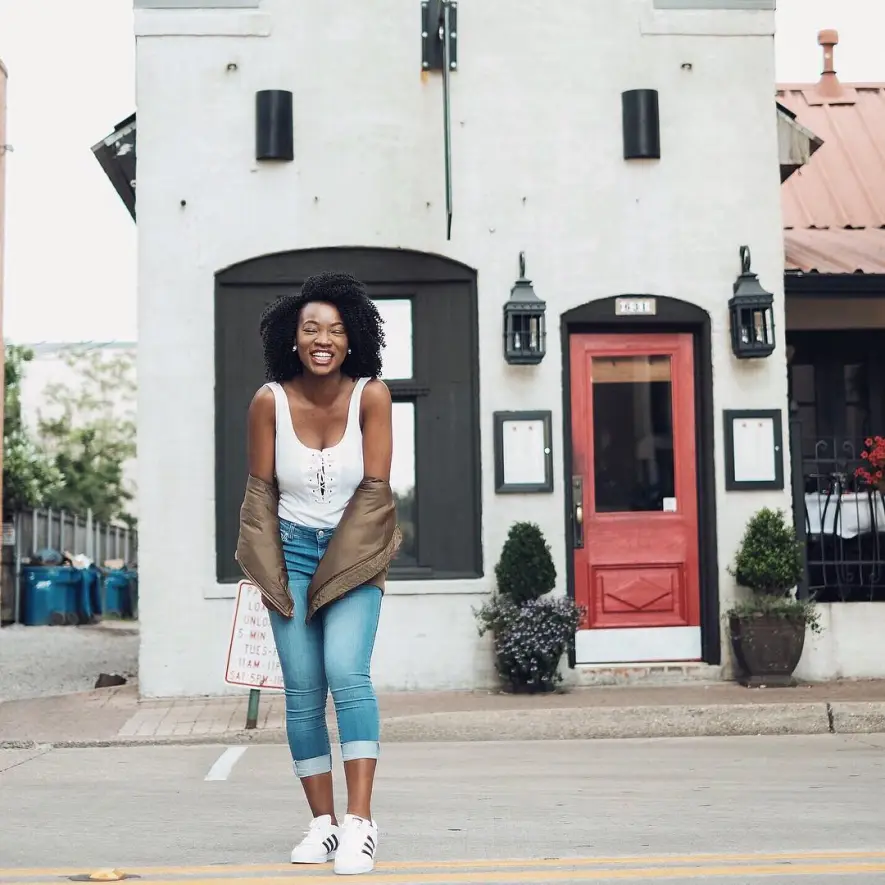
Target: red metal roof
[834,206]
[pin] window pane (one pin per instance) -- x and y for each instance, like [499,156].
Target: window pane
[397,356]
[855,384]
[402,476]
[632,433]
[802,382]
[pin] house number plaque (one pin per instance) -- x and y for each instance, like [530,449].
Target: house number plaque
[632,307]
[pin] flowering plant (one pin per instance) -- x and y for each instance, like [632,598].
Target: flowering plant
[874,455]
[531,632]
[530,639]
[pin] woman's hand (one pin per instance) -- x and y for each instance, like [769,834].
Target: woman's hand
[262,435]
[377,423]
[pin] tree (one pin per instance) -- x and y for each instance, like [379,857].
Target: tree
[30,477]
[89,432]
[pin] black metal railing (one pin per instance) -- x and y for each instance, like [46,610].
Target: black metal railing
[839,518]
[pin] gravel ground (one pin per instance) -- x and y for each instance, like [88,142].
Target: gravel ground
[44,661]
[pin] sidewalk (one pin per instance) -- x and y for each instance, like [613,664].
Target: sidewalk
[115,716]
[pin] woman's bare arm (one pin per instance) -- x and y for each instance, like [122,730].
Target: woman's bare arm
[377,416]
[262,433]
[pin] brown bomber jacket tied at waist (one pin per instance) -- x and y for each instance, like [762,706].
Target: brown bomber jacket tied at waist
[359,552]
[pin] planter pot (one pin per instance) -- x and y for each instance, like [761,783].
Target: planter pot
[522,688]
[547,682]
[767,649]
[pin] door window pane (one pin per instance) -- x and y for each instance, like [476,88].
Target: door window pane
[632,433]
[402,476]
[397,355]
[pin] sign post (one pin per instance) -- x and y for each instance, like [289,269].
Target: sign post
[252,656]
[252,710]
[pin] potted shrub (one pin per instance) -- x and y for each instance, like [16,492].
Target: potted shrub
[531,633]
[768,628]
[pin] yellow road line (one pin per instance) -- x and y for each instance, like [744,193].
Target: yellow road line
[478,864]
[542,876]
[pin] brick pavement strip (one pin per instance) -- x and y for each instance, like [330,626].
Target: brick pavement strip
[116,716]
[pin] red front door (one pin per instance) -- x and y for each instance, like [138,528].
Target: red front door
[634,498]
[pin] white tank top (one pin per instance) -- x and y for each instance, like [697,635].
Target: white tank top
[316,485]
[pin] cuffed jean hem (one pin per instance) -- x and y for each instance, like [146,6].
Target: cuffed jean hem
[313,767]
[360,750]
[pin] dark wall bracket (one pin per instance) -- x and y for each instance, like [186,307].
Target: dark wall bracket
[642,124]
[274,131]
[439,52]
[434,39]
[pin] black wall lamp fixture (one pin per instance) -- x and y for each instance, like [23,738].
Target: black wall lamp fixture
[274,131]
[641,122]
[525,333]
[751,311]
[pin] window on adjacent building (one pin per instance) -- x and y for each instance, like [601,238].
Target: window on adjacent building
[714,4]
[197,4]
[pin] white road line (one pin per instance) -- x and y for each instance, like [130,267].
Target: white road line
[224,764]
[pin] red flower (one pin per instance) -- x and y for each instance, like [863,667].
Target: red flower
[874,455]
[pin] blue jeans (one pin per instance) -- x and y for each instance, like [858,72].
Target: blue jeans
[332,652]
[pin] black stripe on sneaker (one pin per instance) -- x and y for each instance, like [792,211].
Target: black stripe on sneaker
[370,841]
[334,840]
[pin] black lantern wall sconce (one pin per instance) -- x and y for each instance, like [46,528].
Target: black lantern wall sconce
[525,332]
[274,131]
[751,311]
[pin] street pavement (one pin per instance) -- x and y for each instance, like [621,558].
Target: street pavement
[741,809]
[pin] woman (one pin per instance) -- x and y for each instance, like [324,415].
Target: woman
[320,434]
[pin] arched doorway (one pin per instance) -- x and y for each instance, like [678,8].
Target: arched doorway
[430,365]
[640,490]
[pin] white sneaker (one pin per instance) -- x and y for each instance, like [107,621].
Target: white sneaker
[357,846]
[319,843]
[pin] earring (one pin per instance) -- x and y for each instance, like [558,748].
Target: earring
[349,350]
[294,348]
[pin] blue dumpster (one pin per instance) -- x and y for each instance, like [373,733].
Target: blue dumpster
[90,594]
[120,593]
[51,595]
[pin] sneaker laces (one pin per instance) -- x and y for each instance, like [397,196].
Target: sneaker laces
[316,825]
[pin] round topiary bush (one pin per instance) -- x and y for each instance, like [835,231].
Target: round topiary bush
[525,570]
[769,560]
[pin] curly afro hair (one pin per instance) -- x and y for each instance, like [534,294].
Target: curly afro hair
[363,323]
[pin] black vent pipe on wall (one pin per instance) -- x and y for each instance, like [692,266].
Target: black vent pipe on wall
[642,124]
[274,132]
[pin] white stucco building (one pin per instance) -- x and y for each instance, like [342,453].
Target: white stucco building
[537,167]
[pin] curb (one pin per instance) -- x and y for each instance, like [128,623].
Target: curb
[586,723]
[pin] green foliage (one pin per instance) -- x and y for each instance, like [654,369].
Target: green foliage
[769,562]
[769,559]
[531,634]
[525,570]
[89,433]
[30,478]
[786,607]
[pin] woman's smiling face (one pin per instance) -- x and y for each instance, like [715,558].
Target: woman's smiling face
[321,338]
